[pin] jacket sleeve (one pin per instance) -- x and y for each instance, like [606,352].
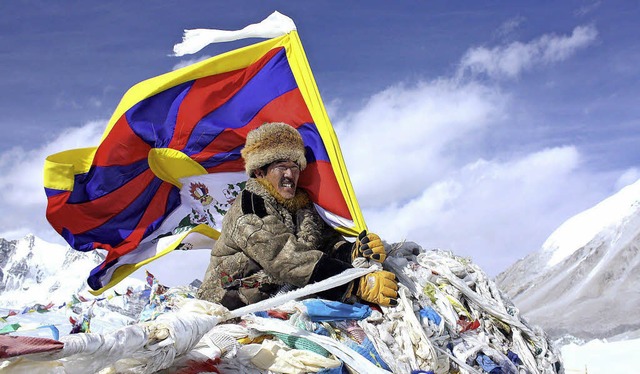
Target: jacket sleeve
[329,241]
[337,251]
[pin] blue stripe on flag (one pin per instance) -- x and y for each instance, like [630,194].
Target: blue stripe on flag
[222,157]
[273,80]
[314,146]
[154,118]
[116,229]
[102,180]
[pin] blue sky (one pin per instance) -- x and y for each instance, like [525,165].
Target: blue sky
[472,126]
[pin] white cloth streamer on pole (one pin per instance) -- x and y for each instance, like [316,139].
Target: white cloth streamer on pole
[194,40]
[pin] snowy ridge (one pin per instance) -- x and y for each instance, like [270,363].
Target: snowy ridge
[588,268]
[602,220]
[35,271]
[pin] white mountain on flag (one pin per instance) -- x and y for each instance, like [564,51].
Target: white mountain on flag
[585,279]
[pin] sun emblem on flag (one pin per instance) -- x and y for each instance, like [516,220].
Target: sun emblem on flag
[200,192]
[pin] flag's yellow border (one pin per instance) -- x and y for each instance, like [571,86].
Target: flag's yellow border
[125,270]
[309,89]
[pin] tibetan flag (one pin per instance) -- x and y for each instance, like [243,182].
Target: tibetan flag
[168,165]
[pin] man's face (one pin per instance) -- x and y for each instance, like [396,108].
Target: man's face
[283,175]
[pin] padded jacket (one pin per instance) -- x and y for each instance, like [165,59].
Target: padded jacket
[267,244]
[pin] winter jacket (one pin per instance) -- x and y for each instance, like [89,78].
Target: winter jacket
[267,244]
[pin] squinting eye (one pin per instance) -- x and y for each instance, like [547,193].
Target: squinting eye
[282,169]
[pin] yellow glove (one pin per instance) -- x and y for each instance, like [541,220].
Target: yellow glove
[369,246]
[379,287]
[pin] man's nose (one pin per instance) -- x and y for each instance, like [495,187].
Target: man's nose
[288,173]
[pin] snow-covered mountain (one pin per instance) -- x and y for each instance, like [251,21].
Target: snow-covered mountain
[585,280]
[34,271]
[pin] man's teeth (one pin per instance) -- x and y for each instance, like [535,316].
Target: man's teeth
[287,184]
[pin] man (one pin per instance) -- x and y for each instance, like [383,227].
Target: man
[272,237]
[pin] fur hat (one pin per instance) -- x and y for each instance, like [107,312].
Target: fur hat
[272,142]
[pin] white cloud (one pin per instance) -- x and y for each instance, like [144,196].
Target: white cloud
[21,179]
[507,28]
[628,177]
[588,8]
[414,158]
[510,60]
[64,101]
[15,234]
[558,48]
[493,211]
[95,102]
[398,141]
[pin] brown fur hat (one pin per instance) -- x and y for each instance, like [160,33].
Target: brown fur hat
[272,142]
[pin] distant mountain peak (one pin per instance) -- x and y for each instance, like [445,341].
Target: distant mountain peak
[50,272]
[585,278]
[602,219]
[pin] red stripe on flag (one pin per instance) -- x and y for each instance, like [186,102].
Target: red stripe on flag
[155,209]
[208,94]
[121,146]
[54,204]
[328,196]
[288,107]
[94,213]
[227,166]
